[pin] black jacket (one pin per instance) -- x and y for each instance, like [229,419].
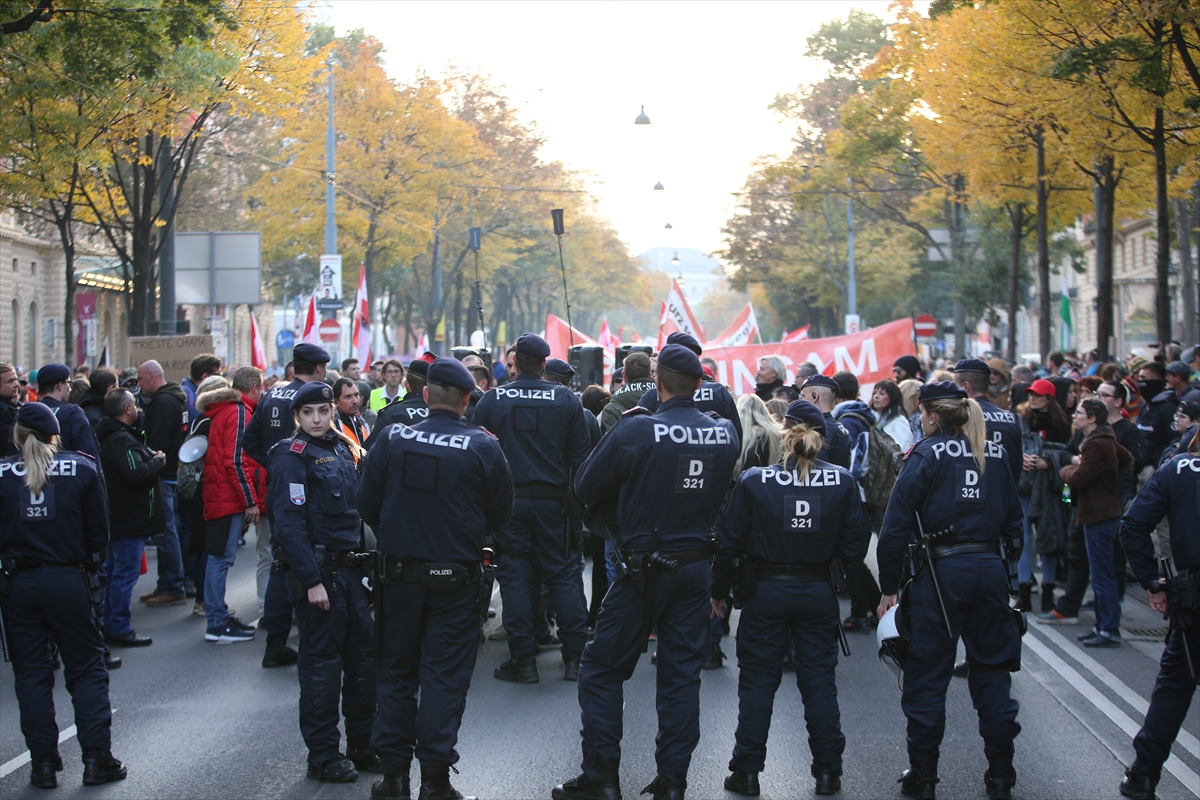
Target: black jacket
[93,407]
[166,424]
[1157,421]
[8,416]
[131,476]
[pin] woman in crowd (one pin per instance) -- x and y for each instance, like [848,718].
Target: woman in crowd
[777,409]
[910,390]
[761,442]
[888,404]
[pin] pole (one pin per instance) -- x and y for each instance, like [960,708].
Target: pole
[212,280]
[330,145]
[476,239]
[556,215]
[852,287]
[166,256]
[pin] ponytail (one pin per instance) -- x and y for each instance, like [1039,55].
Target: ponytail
[800,447]
[37,455]
[966,417]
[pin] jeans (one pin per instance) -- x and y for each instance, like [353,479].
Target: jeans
[170,560]
[215,572]
[1077,573]
[262,568]
[1101,537]
[122,568]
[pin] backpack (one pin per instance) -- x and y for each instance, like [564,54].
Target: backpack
[884,458]
[189,476]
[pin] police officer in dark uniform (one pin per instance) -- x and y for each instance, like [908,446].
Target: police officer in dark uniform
[838,446]
[272,422]
[412,409]
[544,434]
[432,492]
[957,487]
[786,524]
[51,542]
[314,491]
[669,473]
[710,396]
[1003,428]
[560,372]
[1173,490]
[54,385]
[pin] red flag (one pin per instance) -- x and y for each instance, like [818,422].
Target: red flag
[361,342]
[258,356]
[311,334]
[798,335]
[606,339]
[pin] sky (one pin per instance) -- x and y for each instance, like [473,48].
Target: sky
[706,73]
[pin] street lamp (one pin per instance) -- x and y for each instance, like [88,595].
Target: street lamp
[658,187]
[641,119]
[676,260]
[668,226]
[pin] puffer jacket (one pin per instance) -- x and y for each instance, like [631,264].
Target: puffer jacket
[131,478]
[233,481]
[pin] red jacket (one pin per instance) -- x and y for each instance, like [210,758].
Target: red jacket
[233,481]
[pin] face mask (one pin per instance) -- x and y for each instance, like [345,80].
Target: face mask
[1151,388]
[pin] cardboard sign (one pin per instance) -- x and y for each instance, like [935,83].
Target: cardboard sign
[174,353]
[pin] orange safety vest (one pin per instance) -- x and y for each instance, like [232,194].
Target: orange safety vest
[350,432]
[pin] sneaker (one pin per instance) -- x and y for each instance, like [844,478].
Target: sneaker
[859,623]
[230,631]
[498,635]
[1102,640]
[198,609]
[1055,618]
[1088,605]
[189,589]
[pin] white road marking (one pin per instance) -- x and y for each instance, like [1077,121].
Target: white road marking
[1186,776]
[14,764]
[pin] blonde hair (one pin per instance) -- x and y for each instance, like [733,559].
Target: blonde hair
[37,453]
[801,445]
[757,425]
[910,390]
[964,416]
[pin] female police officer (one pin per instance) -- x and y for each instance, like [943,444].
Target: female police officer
[955,487]
[787,523]
[313,491]
[55,528]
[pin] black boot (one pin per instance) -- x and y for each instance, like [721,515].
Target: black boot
[1024,597]
[517,670]
[392,787]
[716,658]
[43,776]
[742,782]
[829,781]
[666,788]
[365,759]
[571,666]
[111,662]
[435,785]
[1000,776]
[278,654]
[919,781]
[1047,597]
[605,786]
[1137,785]
[337,770]
[99,767]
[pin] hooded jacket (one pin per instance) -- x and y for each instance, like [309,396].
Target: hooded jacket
[233,481]
[626,398]
[1093,481]
[93,407]
[166,423]
[1157,420]
[131,478]
[998,393]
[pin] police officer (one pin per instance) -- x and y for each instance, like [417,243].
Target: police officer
[786,524]
[562,373]
[314,491]
[55,529]
[669,473]
[972,375]
[711,396]
[1173,490]
[432,493]
[957,487]
[544,434]
[413,408]
[54,386]
[822,391]
[272,422]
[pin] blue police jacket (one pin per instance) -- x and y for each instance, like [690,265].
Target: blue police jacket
[435,490]
[409,411]
[940,480]
[670,472]
[1004,428]
[75,431]
[313,493]
[272,422]
[711,396]
[65,523]
[1173,491]
[775,516]
[540,426]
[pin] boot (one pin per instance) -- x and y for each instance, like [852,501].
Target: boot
[365,759]
[829,781]
[517,670]
[278,654]
[1000,776]
[338,770]
[919,781]
[1024,597]
[716,658]
[1137,785]
[571,666]
[99,767]
[392,787]
[1047,597]
[666,788]
[605,786]
[111,662]
[435,785]
[43,776]
[742,782]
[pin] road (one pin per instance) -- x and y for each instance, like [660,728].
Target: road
[199,720]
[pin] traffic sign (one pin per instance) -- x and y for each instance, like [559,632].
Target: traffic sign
[925,325]
[329,305]
[285,339]
[330,330]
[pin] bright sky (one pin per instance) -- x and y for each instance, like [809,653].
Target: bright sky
[705,71]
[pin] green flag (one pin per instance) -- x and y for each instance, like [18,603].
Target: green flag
[1064,311]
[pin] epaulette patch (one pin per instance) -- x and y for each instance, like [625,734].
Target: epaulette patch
[908,452]
[636,411]
[298,446]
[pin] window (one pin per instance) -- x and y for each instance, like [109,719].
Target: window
[33,337]
[14,265]
[33,268]
[16,331]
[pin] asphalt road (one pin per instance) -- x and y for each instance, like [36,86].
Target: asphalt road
[199,720]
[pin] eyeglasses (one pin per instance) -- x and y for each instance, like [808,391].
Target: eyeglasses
[1103,394]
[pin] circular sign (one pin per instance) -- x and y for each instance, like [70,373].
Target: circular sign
[925,325]
[329,330]
[285,339]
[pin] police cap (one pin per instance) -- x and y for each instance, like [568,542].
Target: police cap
[450,373]
[823,381]
[941,390]
[556,366]
[619,374]
[677,358]
[532,345]
[312,392]
[687,340]
[38,417]
[311,353]
[806,413]
[52,374]
[419,366]
[973,365]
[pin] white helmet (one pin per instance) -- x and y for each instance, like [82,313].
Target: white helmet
[893,648]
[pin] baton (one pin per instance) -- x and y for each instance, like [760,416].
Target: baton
[836,576]
[1169,573]
[937,585]
[3,640]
